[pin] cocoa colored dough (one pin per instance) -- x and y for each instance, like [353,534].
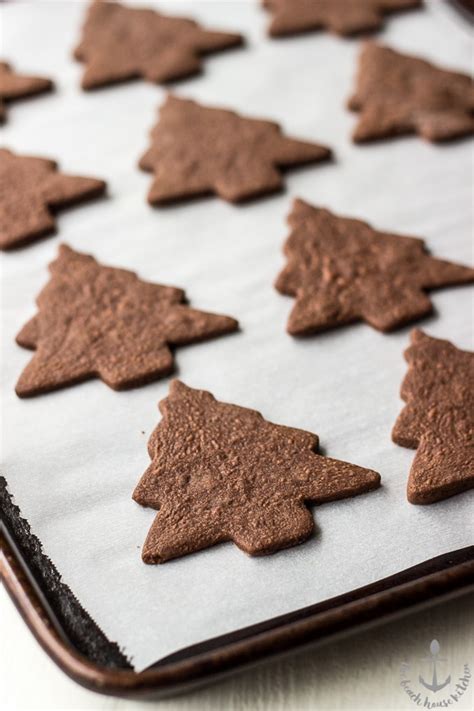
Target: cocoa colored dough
[19,86]
[96,321]
[220,472]
[342,270]
[397,94]
[30,190]
[121,43]
[343,17]
[197,150]
[438,419]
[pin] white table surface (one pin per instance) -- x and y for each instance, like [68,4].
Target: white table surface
[360,671]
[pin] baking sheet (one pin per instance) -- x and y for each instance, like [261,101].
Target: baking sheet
[72,458]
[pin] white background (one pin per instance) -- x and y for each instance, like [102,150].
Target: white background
[82,450]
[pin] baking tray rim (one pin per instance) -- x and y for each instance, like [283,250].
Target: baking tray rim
[431,581]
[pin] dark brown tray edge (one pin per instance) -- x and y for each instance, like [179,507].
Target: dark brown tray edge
[414,573]
[176,676]
[71,620]
[465,8]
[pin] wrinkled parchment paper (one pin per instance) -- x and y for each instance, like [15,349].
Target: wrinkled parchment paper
[72,458]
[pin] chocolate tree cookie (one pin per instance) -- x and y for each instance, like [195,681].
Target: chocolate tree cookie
[397,94]
[438,419]
[341,270]
[198,150]
[221,472]
[101,322]
[121,43]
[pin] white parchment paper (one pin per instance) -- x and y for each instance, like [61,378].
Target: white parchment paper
[72,458]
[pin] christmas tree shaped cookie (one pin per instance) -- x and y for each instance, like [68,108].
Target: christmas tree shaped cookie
[32,190]
[121,43]
[342,270]
[220,472]
[197,150]
[438,419]
[343,17]
[96,321]
[397,94]
[19,86]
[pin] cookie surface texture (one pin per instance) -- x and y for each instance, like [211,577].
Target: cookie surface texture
[221,472]
[19,86]
[341,270]
[343,17]
[198,150]
[31,190]
[97,321]
[438,419]
[397,94]
[121,43]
